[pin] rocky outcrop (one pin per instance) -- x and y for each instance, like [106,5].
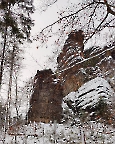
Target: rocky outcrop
[45,103]
[71,54]
[72,51]
[76,66]
[92,101]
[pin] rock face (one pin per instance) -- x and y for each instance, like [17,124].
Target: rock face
[71,54]
[72,51]
[75,67]
[93,100]
[45,103]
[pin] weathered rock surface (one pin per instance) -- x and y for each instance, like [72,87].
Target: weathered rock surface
[45,103]
[75,67]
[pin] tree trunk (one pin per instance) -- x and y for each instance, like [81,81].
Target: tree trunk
[3,56]
[10,85]
[16,101]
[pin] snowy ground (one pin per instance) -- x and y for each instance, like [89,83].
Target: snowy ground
[81,133]
[40,133]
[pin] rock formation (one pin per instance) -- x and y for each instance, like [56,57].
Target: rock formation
[45,103]
[72,51]
[71,54]
[76,66]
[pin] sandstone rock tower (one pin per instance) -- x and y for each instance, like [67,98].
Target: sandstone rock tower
[72,51]
[45,103]
[71,54]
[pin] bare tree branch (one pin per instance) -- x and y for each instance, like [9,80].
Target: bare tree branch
[67,16]
[97,28]
[109,9]
[92,15]
[52,3]
[107,5]
[84,18]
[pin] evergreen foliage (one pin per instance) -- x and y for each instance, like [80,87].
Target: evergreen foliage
[15,25]
[16,18]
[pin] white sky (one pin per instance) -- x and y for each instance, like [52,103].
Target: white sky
[37,58]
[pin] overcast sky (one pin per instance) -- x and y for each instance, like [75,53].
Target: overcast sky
[37,58]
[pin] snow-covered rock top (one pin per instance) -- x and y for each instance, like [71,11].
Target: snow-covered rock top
[89,93]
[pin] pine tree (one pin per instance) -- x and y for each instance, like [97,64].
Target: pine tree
[15,22]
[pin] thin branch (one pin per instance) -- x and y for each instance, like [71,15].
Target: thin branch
[52,3]
[104,3]
[91,18]
[111,26]
[97,28]
[66,17]
[108,24]
[109,10]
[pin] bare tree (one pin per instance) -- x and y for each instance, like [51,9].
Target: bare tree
[92,16]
